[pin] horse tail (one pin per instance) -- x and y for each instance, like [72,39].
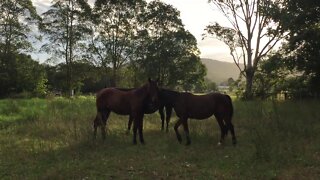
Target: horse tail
[229,113]
[229,104]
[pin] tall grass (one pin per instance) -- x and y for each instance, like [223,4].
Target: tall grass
[52,138]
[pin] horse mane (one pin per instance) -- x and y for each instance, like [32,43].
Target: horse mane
[141,90]
[169,95]
[125,89]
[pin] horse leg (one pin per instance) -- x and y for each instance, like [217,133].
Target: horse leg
[96,123]
[162,117]
[223,130]
[105,116]
[140,128]
[135,128]
[186,130]
[231,128]
[168,116]
[176,126]
[129,124]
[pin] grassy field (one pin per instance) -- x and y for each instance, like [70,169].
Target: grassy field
[52,139]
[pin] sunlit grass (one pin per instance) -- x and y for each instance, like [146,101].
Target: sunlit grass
[52,139]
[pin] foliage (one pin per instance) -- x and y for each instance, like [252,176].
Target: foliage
[144,40]
[87,77]
[211,86]
[271,76]
[301,19]
[16,25]
[169,51]
[115,29]
[29,76]
[16,20]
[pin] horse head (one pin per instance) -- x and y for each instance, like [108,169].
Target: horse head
[153,92]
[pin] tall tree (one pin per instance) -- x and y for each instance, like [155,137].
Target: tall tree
[162,21]
[16,21]
[301,18]
[63,28]
[168,51]
[250,36]
[115,28]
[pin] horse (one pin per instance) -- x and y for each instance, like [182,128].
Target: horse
[166,101]
[130,102]
[200,107]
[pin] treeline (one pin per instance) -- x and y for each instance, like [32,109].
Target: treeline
[113,43]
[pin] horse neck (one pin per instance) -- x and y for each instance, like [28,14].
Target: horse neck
[142,91]
[169,95]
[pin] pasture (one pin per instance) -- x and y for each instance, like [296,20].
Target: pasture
[52,139]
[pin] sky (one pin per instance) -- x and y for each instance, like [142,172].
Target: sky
[195,15]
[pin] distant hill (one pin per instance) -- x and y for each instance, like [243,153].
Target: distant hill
[219,71]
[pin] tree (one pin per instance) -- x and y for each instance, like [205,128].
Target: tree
[164,26]
[271,75]
[250,36]
[63,27]
[301,19]
[114,33]
[31,76]
[168,50]
[16,22]
[87,77]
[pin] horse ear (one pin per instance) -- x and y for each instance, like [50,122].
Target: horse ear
[149,79]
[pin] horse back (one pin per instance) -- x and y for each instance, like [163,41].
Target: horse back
[201,106]
[118,101]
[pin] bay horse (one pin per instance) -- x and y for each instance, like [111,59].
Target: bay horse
[130,102]
[166,102]
[200,107]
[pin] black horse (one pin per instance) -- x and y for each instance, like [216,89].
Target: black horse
[165,102]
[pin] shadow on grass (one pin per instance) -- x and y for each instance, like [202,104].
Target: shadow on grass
[116,157]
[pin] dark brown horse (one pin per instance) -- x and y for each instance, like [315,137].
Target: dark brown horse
[192,106]
[130,102]
[166,102]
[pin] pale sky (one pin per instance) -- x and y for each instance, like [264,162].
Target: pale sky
[195,15]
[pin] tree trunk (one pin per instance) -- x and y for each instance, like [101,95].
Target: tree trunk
[248,94]
[114,77]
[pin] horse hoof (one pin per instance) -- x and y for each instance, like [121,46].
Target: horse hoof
[234,143]
[134,142]
[188,143]
[179,139]
[219,144]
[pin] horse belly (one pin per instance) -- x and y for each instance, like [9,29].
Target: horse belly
[121,111]
[200,114]
[119,106]
[200,111]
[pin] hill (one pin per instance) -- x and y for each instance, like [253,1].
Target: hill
[219,71]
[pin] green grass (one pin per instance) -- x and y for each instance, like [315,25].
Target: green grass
[52,139]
